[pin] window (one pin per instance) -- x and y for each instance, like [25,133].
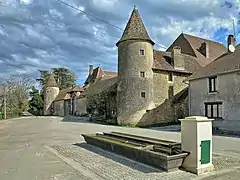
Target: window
[170,76]
[168,59]
[212,84]
[142,74]
[213,110]
[143,94]
[170,91]
[141,52]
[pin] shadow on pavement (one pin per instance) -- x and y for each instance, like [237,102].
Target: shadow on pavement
[119,159]
[177,128]
[76,119]
[226,134]
[171,128]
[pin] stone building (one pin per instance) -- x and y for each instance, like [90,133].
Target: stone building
[150,88]
[214,91]
[101,82]
[69,101]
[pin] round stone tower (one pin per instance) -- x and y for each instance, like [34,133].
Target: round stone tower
[51,91]
[135,75]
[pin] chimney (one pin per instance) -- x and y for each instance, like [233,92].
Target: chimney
[177,59]
[90,69]
[205,49]
[231,43]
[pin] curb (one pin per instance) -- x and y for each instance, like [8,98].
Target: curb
[76,166]
[28,117]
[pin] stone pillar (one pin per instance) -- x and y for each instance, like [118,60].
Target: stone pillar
[196,138]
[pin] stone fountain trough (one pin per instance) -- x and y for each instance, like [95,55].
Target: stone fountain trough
[162,154]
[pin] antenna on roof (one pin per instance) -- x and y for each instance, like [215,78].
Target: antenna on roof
[134,7]
[234,31]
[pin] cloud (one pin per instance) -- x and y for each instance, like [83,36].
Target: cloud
[26,2]
[44,34]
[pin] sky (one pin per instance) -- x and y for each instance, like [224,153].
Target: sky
[45,34]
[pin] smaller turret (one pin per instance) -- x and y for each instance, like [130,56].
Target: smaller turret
[51,91]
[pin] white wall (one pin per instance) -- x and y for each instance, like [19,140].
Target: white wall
[228,87]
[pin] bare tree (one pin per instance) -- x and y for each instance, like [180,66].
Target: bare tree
[16,94]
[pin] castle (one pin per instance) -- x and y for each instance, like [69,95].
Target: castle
[62,102]
[149,86]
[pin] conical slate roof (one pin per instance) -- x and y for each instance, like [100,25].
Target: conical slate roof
[51,81]
[135,29]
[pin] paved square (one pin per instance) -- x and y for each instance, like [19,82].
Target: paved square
[47,148]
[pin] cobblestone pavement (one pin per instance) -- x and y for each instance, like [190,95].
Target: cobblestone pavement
[49,148]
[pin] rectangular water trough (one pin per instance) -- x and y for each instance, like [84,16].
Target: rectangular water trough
[158,153]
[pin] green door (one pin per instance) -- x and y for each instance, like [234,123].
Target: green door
[205,151]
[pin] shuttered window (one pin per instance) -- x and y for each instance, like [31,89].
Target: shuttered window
[213,110]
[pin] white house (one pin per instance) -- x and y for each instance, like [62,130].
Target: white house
[214,91]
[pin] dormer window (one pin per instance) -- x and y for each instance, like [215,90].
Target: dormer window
[142,52]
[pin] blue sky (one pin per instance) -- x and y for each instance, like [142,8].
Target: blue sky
[42,34]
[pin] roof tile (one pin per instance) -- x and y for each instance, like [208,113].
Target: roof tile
[135,29]
[226,63]
[191,44]
[161,62]
[63,94]
[51,82]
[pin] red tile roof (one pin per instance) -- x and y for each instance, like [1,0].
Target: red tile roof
[109,73]
[98,73]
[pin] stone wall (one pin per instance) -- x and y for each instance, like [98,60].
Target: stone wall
[111,106]
[181,110]
[164,91]
[178,84]
[160,84]
[228,92]
[59,108]
[81,106]
[162,114]
[166,113]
